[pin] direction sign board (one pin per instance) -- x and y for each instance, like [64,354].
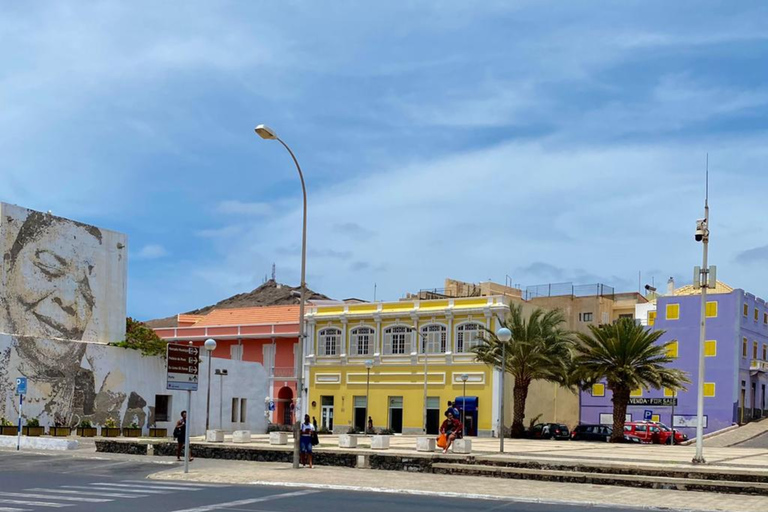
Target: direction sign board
[21,386]
[182,367]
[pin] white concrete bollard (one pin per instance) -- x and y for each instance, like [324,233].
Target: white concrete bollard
[214,436]
[347,441]
[380,442]
[241,436]
[278,438]
[425,444]
[462,446]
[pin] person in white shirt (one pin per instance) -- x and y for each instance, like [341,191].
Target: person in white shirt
[305,441]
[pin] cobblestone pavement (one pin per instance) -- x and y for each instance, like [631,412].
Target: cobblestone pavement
[237,472]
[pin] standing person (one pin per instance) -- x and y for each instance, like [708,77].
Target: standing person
[180,432]
[314,423]
[451,428]
[370,424]
[305,441]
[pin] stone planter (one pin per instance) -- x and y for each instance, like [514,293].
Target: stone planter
[86,431]
[33,431]
[241,436]
[9,431]
[380,442]
[60,431]
[131,432]
[425,444]
[347,441]
[214,436]
[158,432]
[278,438]
[462,446]
[110,432]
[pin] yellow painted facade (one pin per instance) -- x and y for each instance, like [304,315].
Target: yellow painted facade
[343,339]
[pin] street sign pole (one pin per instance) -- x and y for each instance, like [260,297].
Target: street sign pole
[186,432]
[18,434]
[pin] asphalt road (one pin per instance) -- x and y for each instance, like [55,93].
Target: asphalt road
[37,482]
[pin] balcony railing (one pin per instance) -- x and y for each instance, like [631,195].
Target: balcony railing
[759,366]
[283,372]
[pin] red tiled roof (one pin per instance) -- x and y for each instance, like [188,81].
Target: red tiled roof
[250,316]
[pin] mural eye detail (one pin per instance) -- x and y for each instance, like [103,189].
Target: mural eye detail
[49,264]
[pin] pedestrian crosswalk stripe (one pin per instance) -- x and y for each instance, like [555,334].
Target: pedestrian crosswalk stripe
[174,483]
[34,503]
[88,493]
[148,486]
[50,497]
[113,489]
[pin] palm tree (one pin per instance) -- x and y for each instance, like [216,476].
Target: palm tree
[627,356]
[539,350]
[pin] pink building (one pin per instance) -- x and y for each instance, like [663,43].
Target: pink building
[266,335]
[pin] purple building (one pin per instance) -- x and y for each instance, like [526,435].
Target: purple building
[736,371]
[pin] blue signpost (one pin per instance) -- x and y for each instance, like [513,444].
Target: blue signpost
[648,415]
[21,390]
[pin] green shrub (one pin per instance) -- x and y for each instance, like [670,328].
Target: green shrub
[33,422]
[110,423]
[85,424]
[386,432]
[5,423]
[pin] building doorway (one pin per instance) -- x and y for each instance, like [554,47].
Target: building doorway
[326,413]
[433,415]
[283,414]
[360,409]
[396,414]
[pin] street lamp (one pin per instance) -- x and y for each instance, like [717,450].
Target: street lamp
[210,346]
[424,351]
[503,335]
[221,374]
[464,379]
[368,366]
[268,133]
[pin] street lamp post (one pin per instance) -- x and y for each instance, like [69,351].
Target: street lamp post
[267,133]
[503,335]
[221,374]
[368,366]
[464,379]
[424,351]
[210,346]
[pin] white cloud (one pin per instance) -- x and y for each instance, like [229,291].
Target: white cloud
[233,207]
[151,252]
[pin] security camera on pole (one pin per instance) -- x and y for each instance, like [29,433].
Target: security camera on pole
[704,277]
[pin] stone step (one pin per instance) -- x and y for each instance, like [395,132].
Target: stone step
[643,481]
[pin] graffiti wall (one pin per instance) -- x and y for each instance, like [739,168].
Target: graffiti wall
[73,381]
[60,279]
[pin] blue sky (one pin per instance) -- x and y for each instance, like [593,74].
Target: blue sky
[547,141]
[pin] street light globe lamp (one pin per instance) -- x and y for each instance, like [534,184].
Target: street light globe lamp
[210,346]
[503,335]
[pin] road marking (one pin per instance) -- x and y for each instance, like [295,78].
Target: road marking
[230,504]
[149,486]
[112,489]
[49,497]
[11,509]
[35,503]
[104,494]
[172,482]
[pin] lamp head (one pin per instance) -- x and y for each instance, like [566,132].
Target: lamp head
[368,364]
[464,377]
[504,334]
[265,132]
[210,344]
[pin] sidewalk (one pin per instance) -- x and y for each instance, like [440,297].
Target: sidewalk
[738,435]
[237,472]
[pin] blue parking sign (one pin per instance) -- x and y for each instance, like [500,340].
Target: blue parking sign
[21,386]
[648,415]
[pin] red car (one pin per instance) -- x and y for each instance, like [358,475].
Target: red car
[653,432]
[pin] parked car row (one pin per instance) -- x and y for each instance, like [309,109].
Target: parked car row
[641,432]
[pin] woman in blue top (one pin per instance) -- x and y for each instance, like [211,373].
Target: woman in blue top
[305,441]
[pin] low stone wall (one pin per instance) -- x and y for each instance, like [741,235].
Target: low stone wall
[129,447]
[258,454]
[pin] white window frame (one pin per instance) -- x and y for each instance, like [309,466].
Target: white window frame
[329,342]
[436,339]
[465,346]
[402,335]
[356,336]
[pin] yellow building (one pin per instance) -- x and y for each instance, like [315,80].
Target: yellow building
[344,339]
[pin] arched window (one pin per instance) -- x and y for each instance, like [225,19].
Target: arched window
[397,340]
[468,336]
[329,342]
[434,338]
[361,341]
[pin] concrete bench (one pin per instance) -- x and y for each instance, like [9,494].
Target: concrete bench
[214,436]
[425,444]
[241,436]
[39,443]
[347,441]
[278,438]
[462,446]
[380,442]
